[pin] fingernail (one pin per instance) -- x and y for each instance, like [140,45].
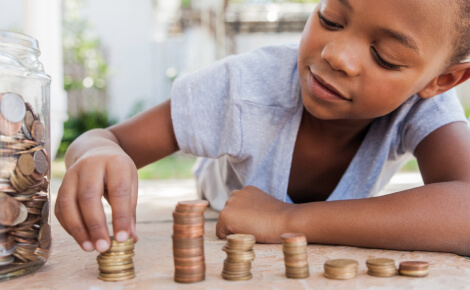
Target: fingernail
[102,246]
[88,246]
[122,236]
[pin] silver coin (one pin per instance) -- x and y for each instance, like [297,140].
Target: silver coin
[12,107]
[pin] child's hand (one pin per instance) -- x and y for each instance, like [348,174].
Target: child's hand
[252,211]
[78,205]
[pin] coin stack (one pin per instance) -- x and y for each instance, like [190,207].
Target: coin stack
[116,263]
[294,247]
[24,165]
[188,241]
[240,255]
[381,267]
[340,269]
[414,268]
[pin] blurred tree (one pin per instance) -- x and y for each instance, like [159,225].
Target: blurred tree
[85,67]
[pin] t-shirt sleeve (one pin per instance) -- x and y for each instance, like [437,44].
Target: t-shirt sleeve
[205,111]
[428,115]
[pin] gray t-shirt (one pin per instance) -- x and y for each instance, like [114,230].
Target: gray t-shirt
[243,114]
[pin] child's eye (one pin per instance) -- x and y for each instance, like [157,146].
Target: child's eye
[382,62]
[328,24]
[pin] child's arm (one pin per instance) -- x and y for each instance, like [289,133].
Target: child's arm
[109,157]
[434,217]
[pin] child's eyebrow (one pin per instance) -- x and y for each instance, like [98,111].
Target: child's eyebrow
[404,39]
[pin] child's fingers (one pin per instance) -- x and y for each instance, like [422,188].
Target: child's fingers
[72,222]
[90,190]
[135,192]
[120,187]
[220,229]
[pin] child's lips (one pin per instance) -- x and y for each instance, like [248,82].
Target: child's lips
[324,90]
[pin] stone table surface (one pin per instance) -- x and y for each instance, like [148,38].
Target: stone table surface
[71,268]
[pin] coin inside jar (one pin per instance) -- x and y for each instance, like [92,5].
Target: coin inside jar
[40,162]
[12,107]
[37,131]
[26,164]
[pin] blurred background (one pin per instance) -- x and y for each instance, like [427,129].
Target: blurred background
[111,59]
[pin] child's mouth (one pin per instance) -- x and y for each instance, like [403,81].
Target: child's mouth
[323,90]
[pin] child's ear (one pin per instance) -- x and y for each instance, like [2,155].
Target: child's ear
[451,77]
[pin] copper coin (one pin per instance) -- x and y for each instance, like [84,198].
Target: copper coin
[293,238]
[186,243]
[44,236]
[37,131]
[29,120]
[8,128]
[192,252]
[10,210]
[26,164]
[40,162]
[414,265]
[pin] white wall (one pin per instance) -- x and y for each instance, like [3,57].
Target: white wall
[125,30]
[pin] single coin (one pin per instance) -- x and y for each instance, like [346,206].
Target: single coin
[294,238]
[12,107]
[26,164]
[116,279]
[40,162]
[44,236]
[10,211]
[199,204]
[341,263]
[237,278]
[191,252]
[380,262]
[37,131]
[29,120]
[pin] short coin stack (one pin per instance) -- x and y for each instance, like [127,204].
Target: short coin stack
[240,255]
[381,267]
[414,268]
[340,269]
[294,247]
[116,263]
[188,241]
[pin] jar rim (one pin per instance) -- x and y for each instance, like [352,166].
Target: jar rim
[20,39]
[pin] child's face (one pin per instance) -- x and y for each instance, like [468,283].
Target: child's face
[361,59]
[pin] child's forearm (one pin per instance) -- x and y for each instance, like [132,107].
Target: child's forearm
[434,217]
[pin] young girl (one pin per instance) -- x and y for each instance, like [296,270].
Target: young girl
[299,139]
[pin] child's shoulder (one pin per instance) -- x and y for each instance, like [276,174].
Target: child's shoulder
[267,58]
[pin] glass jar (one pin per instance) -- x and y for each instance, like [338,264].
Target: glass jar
[25,231]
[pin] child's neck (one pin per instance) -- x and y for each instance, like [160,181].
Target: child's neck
[339,131]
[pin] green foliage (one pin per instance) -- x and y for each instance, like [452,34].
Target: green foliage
[85,66]
[176,166]
[76,126]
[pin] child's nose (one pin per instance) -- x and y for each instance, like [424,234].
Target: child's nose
[341,55]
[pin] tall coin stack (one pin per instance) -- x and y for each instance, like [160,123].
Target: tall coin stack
[188,241]
[240,255]
[381,267]
[294,247]
[340,269]
[24,166]
[116,263]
